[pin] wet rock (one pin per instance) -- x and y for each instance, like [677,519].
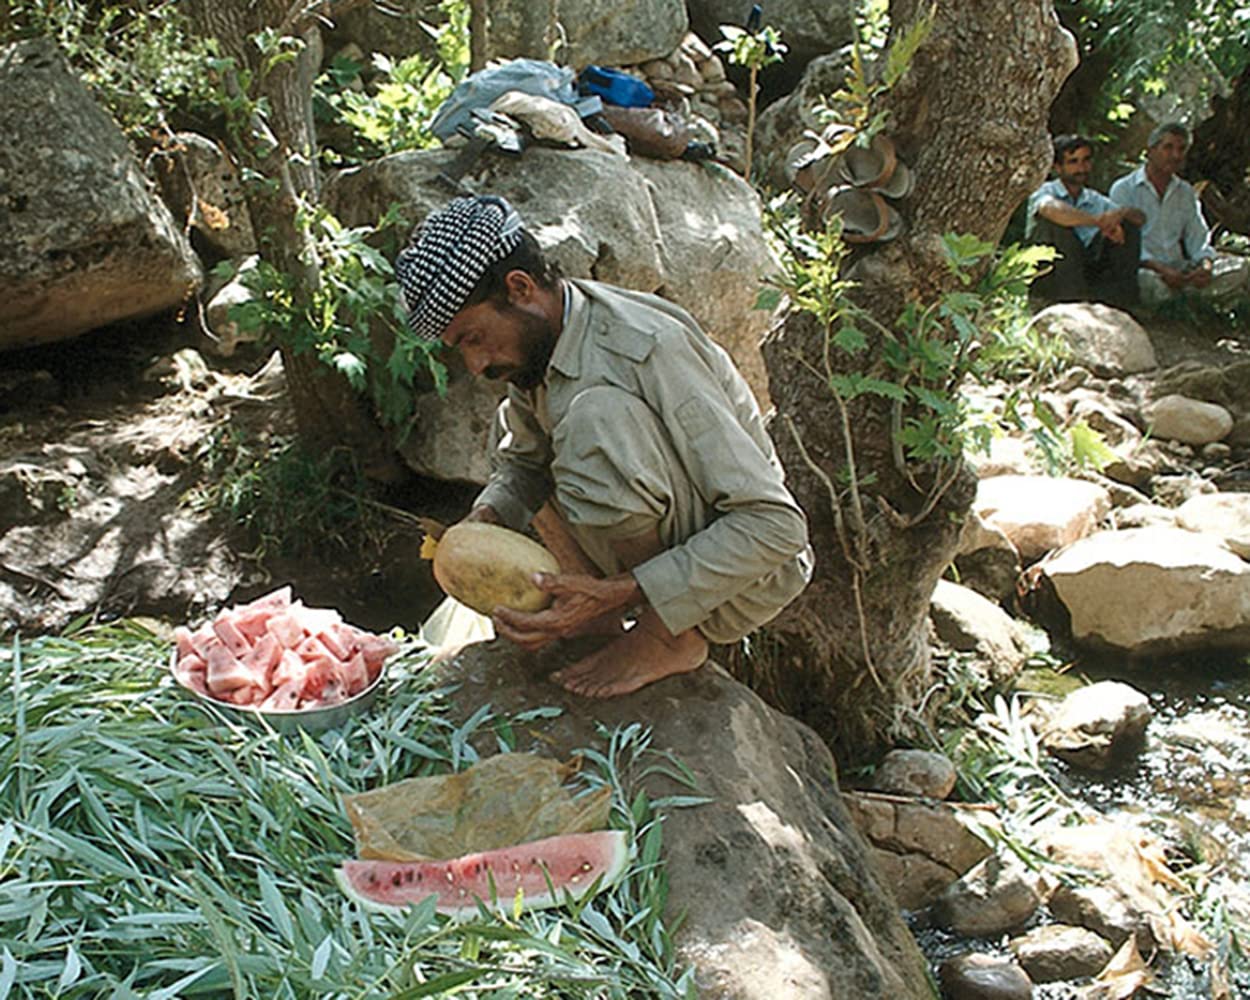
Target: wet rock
[984,977]
[969,623]
[1099,725]
[1105,340]
[1190,421]
[915,772]
[920,847]
[1104,910]
[1223,515]
[998,895]
[1060,951]
[1149,591]
[1040,513]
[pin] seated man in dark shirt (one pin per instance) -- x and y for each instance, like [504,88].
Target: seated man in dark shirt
[1099,242]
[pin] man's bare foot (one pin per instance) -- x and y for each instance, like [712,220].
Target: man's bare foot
[643,655]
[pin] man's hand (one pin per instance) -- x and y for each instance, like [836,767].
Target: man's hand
[1172,277]
[1200,276]
[579,600]
[1110,227]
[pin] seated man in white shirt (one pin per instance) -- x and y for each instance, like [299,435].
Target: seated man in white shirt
[1098,241]
[1176,251]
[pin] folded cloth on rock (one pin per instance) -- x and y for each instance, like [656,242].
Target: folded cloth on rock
[553,121]
[511,798]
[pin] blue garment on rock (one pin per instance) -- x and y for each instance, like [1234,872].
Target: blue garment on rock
[530,76]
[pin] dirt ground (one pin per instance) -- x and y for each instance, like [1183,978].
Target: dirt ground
[103,441]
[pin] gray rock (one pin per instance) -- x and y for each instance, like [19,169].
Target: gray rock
[915,772]
[1098,725]
[1189,421]
[984,977]
[808,28]
[1103,910]
[606,32]
[998,895]
[1059,951]
[1149,591]
[224,332]
[200,184]
[1104,340]
[968,622]
[776,884]
[1225,516]
[1041,513]
[87,242]
[920,847]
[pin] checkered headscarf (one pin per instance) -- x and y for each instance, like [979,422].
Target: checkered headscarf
[448,256]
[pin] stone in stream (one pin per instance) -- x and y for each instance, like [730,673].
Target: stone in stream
[1060,951]
[1000,894]
[1153,591]
[1099,725]
[984,977]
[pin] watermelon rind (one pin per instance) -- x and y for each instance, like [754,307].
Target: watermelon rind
[612,843]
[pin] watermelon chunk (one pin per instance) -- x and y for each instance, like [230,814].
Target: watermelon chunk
[569,863]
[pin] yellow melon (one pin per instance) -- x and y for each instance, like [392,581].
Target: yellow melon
[486,565]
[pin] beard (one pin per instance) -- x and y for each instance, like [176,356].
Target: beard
[537,340]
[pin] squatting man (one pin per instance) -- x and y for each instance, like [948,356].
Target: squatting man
[629,432]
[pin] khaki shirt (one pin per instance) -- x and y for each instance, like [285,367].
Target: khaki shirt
[747,524]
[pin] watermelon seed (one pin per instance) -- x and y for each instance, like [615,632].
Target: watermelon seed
[586,866]
[397,879]
[574,878]
[450,876]
[409,875]
[373,879]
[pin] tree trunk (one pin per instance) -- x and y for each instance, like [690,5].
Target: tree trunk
[281,147]
[1220,154]
[851,655]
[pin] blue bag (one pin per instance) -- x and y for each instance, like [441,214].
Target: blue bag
[615,87]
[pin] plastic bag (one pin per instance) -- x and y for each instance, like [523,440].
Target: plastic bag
[507,799]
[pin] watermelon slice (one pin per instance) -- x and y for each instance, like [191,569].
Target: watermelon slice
[569,863]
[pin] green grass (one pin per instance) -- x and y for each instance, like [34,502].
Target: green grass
[150,847]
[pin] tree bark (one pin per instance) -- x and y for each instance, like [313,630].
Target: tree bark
[851,655]
[1220,154]
[281,147]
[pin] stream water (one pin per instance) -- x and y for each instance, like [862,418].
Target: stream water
[1189,788]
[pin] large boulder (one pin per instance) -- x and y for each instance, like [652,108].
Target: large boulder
[776,884]
[605,32]
[688,231]
[1104,340]
[1151,591]
[86,241]
[1040,513]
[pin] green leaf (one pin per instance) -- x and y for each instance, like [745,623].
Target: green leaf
[850,339]
[1089,448]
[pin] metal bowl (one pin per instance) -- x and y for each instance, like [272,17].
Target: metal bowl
[311,720]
